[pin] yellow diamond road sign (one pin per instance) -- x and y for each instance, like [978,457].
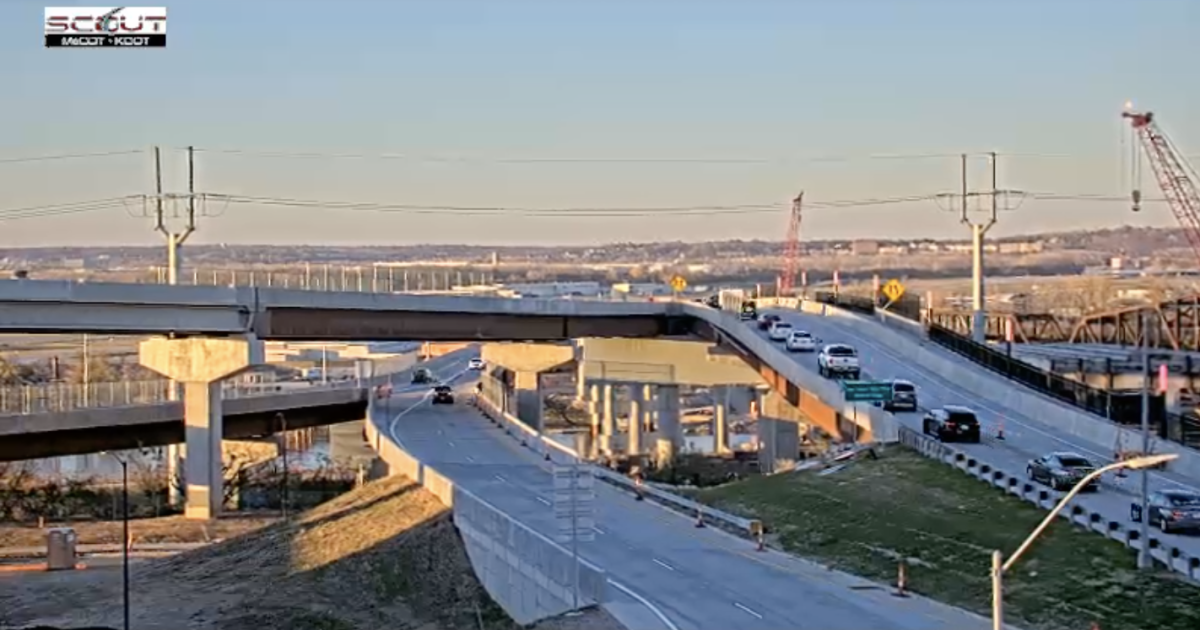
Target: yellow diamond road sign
[678,283]
[893,290]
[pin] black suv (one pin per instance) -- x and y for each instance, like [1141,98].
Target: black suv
[952,424]
[443,395]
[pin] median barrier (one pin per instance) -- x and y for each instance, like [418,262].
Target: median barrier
[530,576]
[561,454]
[1127,534]
[999,390]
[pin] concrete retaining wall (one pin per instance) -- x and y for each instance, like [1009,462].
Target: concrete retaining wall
[907,338]
[529,575]
[1015,484]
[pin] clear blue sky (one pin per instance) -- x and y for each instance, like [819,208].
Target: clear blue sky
[779,80]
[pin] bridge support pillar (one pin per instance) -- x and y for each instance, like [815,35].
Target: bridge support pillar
[201,364]
[608,418]
[649,410]
[779,444]
[528,386]
[669,429]
[720,430]
[637,410]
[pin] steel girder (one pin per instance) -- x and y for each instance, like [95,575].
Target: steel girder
[1174,324]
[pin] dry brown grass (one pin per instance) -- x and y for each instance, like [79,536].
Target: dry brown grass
[385,556]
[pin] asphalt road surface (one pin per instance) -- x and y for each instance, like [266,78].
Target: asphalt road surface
[1025,438]
[667,573]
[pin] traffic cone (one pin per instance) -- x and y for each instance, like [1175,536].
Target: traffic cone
[1000,430]
[902,580]
[699,518]
[637,489]
[761,544]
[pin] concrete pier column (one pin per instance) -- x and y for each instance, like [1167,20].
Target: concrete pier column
[581,388]
[608,418]
[649,410]
[201,364]
[176,456]
[779,444]
[669,429]
[637,410]
[528,389]
[720,419]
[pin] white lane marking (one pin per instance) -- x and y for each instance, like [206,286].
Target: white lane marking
[597,530]
[470,459]
[500,479]
[542,501]
[744,608]
[663,564]
[645,602]
[450,443]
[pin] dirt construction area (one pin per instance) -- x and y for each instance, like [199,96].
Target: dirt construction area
[384,556]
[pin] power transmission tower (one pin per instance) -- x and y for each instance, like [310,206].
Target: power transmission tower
[175,240]
[978,231]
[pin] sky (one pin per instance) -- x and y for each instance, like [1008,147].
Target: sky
[551,105]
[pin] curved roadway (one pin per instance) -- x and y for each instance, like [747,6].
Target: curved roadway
[667,573]
[1024,438]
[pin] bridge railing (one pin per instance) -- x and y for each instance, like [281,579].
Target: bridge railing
[62,397]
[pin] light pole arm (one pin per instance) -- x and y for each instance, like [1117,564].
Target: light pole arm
[1058,508]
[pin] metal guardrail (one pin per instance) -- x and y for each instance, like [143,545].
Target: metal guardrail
[58,398]
[324,277]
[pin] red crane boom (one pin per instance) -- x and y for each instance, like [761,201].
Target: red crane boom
[791,250]
[1175,175]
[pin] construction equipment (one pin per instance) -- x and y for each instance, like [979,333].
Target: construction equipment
[791,250]
[1175,175]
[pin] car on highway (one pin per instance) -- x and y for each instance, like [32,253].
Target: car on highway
[765,320]
[475,364]
[779,331]
[904,396]
[801,341]
[1062,470]
[838,360]
[421,376]
[749,311]
[1170,510]
[443,395]
[952,423]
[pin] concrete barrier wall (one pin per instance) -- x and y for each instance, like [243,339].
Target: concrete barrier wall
[878,424]
[907,339]
[1015,484]
[530,576]
[551,450]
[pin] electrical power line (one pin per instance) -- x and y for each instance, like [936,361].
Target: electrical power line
[569,160]
[67,156]
[77,207]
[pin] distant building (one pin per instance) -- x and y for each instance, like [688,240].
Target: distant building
[865,248]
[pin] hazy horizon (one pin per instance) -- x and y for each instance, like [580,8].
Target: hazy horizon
[535,107]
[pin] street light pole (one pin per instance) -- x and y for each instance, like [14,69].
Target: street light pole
[1143,556]
[124,535]
[1138,463]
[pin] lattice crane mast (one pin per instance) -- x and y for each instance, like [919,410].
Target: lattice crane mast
[791,250]
[1175,175]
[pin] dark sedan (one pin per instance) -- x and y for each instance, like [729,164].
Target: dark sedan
[1170,510]
[443,395]
[765,321]
[1062,471]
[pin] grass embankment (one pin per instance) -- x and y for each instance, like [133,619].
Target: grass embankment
[383,556]
[863,519]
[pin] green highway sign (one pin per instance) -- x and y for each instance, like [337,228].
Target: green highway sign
[867,391]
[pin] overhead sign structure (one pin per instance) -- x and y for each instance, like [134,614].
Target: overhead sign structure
[105,27]
[892,290]
[678,284]
[574,504]
[867,391]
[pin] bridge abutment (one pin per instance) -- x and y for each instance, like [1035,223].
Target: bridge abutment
[201,364]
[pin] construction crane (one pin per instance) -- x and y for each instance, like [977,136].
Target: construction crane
[1175,175]
[791,250]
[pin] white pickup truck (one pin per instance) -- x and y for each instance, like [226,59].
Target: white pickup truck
[838,360]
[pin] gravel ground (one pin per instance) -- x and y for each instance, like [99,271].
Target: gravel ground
[167,529]
[385,556]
